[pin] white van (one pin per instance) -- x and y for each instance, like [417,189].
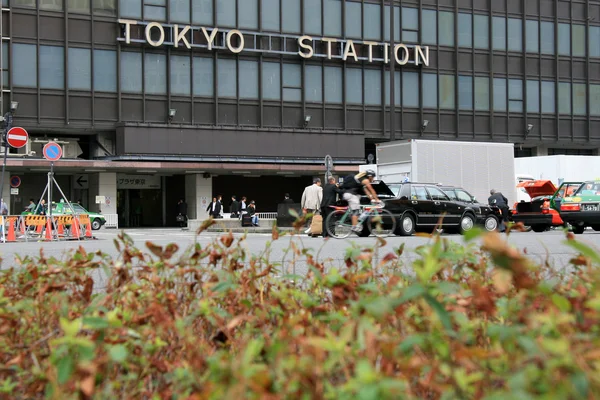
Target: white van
[522,193]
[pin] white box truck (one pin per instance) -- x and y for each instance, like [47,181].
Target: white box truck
[475,166]
[560,168]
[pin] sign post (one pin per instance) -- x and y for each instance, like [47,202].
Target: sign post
[16,137]
[52,152]
[328,167]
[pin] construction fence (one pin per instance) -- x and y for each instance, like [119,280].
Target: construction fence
[24,228]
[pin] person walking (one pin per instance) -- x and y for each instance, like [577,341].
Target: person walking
[497,199]
[182,213]
[287,199]
[234,208]
[214,208]
[330,197]
[311,199]
[242,206]
[220,200]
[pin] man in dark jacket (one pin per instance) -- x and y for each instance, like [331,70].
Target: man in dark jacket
[497,199]
[214,208]
[287,200]
[330,197]
[182,213]
[234,209]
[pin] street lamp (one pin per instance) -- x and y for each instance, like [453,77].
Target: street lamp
[8,123]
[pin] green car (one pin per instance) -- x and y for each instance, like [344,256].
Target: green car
[582,209]
[63,209]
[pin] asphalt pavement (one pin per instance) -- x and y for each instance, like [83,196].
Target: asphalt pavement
[539,246]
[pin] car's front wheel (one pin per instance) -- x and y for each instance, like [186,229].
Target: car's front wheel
[96,224]
[467,223]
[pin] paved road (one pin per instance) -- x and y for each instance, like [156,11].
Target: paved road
[538,246]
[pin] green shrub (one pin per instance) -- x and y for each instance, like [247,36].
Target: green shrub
[469,322]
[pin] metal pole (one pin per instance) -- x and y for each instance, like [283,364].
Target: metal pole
[7,126]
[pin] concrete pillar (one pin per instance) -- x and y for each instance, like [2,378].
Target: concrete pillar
[198,194]
[541,151]
[107,187]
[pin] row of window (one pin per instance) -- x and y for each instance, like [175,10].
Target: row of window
[98,7]
[288,82]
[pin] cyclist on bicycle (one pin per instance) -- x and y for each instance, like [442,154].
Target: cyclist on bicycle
[353,186]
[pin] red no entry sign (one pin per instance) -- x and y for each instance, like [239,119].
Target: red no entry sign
[17,137]
[52,151]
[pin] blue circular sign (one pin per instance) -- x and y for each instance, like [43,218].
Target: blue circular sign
[15,181]
[52,151]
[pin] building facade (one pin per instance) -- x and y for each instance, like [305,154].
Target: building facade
[183,90]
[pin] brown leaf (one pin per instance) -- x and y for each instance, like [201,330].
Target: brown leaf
[15,361]
[170,250]
[275,232]
[205,225]
[580,260]
[501,279]
[155,249]
[87,385]
[227,240]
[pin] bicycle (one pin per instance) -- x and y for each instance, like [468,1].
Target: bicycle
[380,222]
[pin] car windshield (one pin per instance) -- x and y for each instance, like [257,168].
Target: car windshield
[589,189]
[395,188]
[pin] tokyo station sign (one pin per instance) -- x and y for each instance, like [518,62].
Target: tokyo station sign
[235,41]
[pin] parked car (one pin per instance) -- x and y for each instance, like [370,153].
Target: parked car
[541,213]
[61,208]
[582,209]
[487,216]
[422,206]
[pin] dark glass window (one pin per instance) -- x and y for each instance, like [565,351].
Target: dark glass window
[105,70]
[333,85]
[313,86]
[155,73]
[271,81]
[204,77]
[446,28]
[52,67]
[181,75]
[465,92]
[481,27]
[270,15]
[131,66]
[80,69]
[24,64]
[465,30]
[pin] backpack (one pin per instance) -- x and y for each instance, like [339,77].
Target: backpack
[348,183]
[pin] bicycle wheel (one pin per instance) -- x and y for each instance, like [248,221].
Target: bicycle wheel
[339,224]
[381,223]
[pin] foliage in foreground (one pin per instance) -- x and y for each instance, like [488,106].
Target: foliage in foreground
[468,322]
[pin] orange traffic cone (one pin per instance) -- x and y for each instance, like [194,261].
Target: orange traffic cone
[48,229]
[88,229]
[60,228]
[75,229]
[11,231]
[22,227]
[39,229]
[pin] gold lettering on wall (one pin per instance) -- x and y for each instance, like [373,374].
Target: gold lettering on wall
[210,38]
[305,46]
[349,50]
[329,41]
[370,49]
[127,23]
[155,43]
[420,55]
[180,36]
[240,46]
[404,60]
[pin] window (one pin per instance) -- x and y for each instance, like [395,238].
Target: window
[130,8]
[533,96]
[410,25]
[499,94]
[447,92]
[226,77]
[105,71]
[5,58]
[430,91]
[465,30]
[353,20]
[579,99]
[248,79]
[179,11]
[155,10]
[270,15]
[291,16]
[52,67]
[55,5]
[461,195]
[386,23]
[373,87]
[451,194]
[333,16]
[547,37]
[578,40]
[292,82]
[410,89]
[436,194]
[515,95]
[465,92]
[105,7]
[482,93]
[482,31]
[429,23]
[498,33]
[24,64]
[271,81]
[202,12]
[248,18]
[548,97]
[313,86]
[78,6]
[226,13]
[419,193]
[564,39]
[155,73]
[204,77]
[333,85]
[564,98]
[397,93]
[21,3]
[515,34]
[312,17]
[595,100]
[354,86]
[532,36]
[446,28]
[131,66]
[80,69]
[181,75]
[372,21]
[594,40]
